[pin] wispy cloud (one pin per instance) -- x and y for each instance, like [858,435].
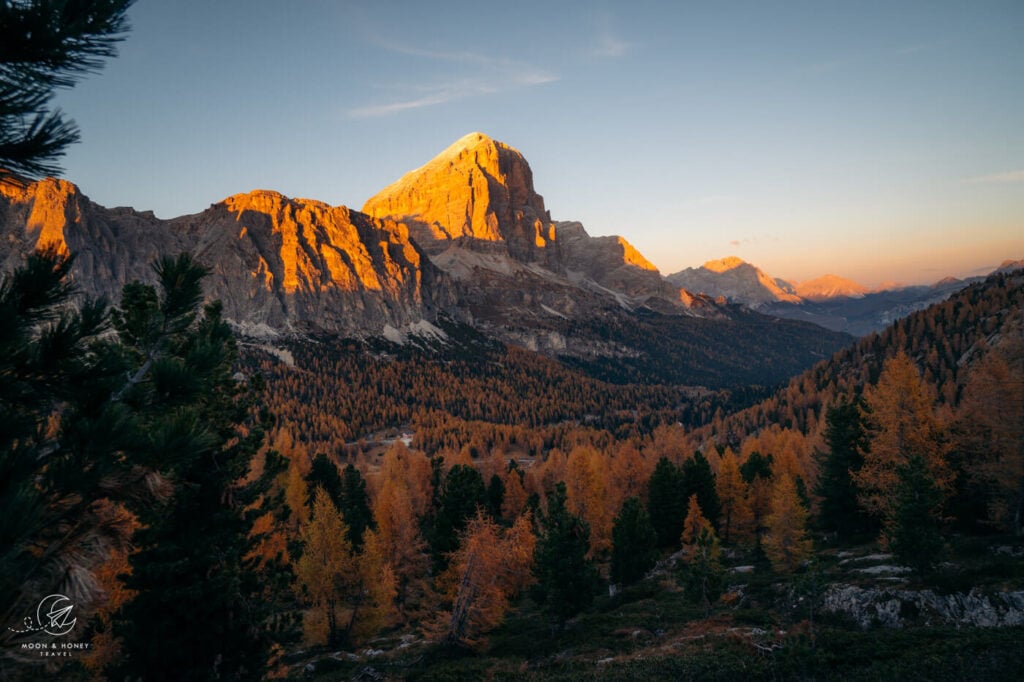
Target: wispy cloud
[754,239]
[997,178]
[489,75]
[607,43]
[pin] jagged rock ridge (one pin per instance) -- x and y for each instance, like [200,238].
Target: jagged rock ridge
[475,211]
[736,280]
[276,263]
[829,301]
[464,238]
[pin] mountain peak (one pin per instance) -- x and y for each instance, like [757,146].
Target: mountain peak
[735,279]
[478,188]
[724,264]
[830,286]
[470,141]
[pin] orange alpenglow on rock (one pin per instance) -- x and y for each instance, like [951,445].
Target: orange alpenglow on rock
[477,188]
[52,206]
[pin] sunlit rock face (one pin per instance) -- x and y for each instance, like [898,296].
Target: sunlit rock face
[465,236]
[475,211]
[477,188]
[828,287]
[736,280]
[291,264]
[110,246]
[297,263]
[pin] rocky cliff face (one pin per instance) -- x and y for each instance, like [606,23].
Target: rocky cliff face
[465,237]
[475,211]
[477,189]
[286,264]
[736,280]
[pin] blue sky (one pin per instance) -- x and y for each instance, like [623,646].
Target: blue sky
[877,141]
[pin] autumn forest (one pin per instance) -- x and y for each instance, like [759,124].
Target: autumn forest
[447,437]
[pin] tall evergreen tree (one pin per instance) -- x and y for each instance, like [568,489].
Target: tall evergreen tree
[355,506]
[324,474]
[698,479]
[63,442]
[756,466]
[846,439]
[703,575]
[48,44]
[915,534]
[495,496]
[634,543]
[198,610]
[566,579]
[462,493]
[666,503]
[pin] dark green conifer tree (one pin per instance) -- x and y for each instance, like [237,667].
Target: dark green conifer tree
[756,466]
[698,479]
[703,575]
[916,533]
[845,439]
[666,503]
[198,613]
[495,496]
[324,474]
[355,506]
[634,543]
[63,443]
[48,44]
[463,491]
[566,579]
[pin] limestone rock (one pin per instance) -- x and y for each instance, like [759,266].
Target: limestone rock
[896,608]
[284,263]
[476,188]
[736,280]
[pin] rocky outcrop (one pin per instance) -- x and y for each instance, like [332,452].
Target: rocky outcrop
[895,608]
[465,237]
[477,188]
[475,211]
[736,280]
[111,246]
[611,263]
[828,287]
[289,264]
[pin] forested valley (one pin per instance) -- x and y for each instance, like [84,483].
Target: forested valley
[483,511]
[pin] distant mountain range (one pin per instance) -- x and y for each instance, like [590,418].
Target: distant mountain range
[464,240]
[830,301]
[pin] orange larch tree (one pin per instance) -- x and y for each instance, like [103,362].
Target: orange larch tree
[736,517]
[326,573]
[786,543]
[586,488]
[485,574]
[901,422]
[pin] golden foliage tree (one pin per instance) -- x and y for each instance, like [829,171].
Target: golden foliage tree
[736,517]
[693,525]
[486,572]
[991,432]
[397,540]
[296,494]
[629,475]
[587,492]
[786,543]
[327,571]
[901,423]
[516,496]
